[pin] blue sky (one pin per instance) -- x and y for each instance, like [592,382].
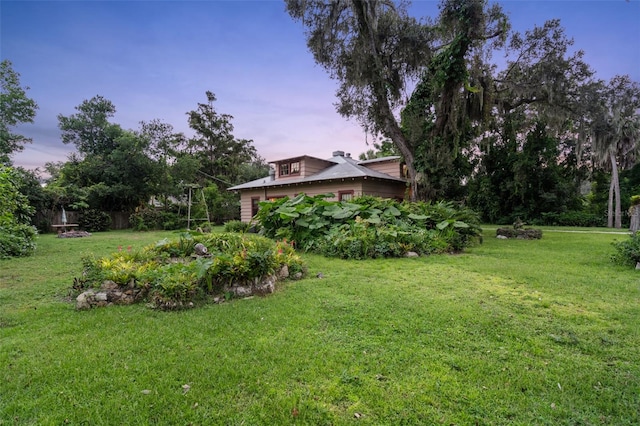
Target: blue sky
[156,59]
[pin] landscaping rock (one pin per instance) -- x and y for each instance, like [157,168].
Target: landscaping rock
[241,291]
[520,234]
[74,234]
[411,254]
[109,285]
[201,250]
[502,237]
[110,293]
[258,287]
[85,300]
[284,272]
[266,286]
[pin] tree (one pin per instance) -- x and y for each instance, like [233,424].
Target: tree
[164,146]
[89,129]
[115,171]
[615,134]
[373,48]
[15,108]
[219,152]
[383,149]
[376,51]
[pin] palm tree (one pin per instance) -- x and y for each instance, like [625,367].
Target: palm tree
[615,135]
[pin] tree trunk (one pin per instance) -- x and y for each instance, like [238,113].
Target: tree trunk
[615,184]
[367,21]
[610,206]
[634,212]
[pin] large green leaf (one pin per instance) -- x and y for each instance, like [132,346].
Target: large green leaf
[284,215]
[418,216]
[373,219]
[298,199]
[302,222]
[459,224]
[392,211]
[443,224]
[343,214]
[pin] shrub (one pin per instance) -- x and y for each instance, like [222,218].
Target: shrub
[17,236]
[95,221]
[572,218]
[17,240]
[368,227]
[628,251]
[144,220]
[236,226]
[153,219]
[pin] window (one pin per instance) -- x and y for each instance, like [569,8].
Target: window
[345,195]
[295,168]
[287,169]
[255,205]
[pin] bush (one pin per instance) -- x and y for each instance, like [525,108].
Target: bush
[95,221]
[17,240]
[627,252]
[573,218]
[17,236]
[154,219]
[368,227]
[236,226]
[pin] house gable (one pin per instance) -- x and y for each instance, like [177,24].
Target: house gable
[388,165]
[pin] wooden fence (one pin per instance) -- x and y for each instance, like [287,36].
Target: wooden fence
[119,220]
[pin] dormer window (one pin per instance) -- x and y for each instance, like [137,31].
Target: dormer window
[288,169]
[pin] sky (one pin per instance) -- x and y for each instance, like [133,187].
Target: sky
[156,60]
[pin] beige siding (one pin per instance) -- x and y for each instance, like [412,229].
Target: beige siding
[384,189]
[311,166]
[392,168]
[245,202]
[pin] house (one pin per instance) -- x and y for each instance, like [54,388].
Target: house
[341,175]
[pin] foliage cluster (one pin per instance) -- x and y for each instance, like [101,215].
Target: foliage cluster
[236,226]
[95,220]
[627,252]
[172,276]
[368,227]
[15,108]
[17,237]
[571,218]
[155,219]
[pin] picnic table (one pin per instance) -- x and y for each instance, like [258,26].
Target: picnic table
[63,227]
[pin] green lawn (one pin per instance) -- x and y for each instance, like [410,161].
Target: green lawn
[509,333]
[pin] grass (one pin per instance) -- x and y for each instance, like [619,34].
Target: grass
[510,332]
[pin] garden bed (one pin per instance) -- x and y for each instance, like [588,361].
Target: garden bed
[173,274]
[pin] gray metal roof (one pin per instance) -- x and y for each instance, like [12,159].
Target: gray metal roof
[345,168]
[380,160]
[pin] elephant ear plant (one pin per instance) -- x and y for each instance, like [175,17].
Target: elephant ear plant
[170,275]
[368,227]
